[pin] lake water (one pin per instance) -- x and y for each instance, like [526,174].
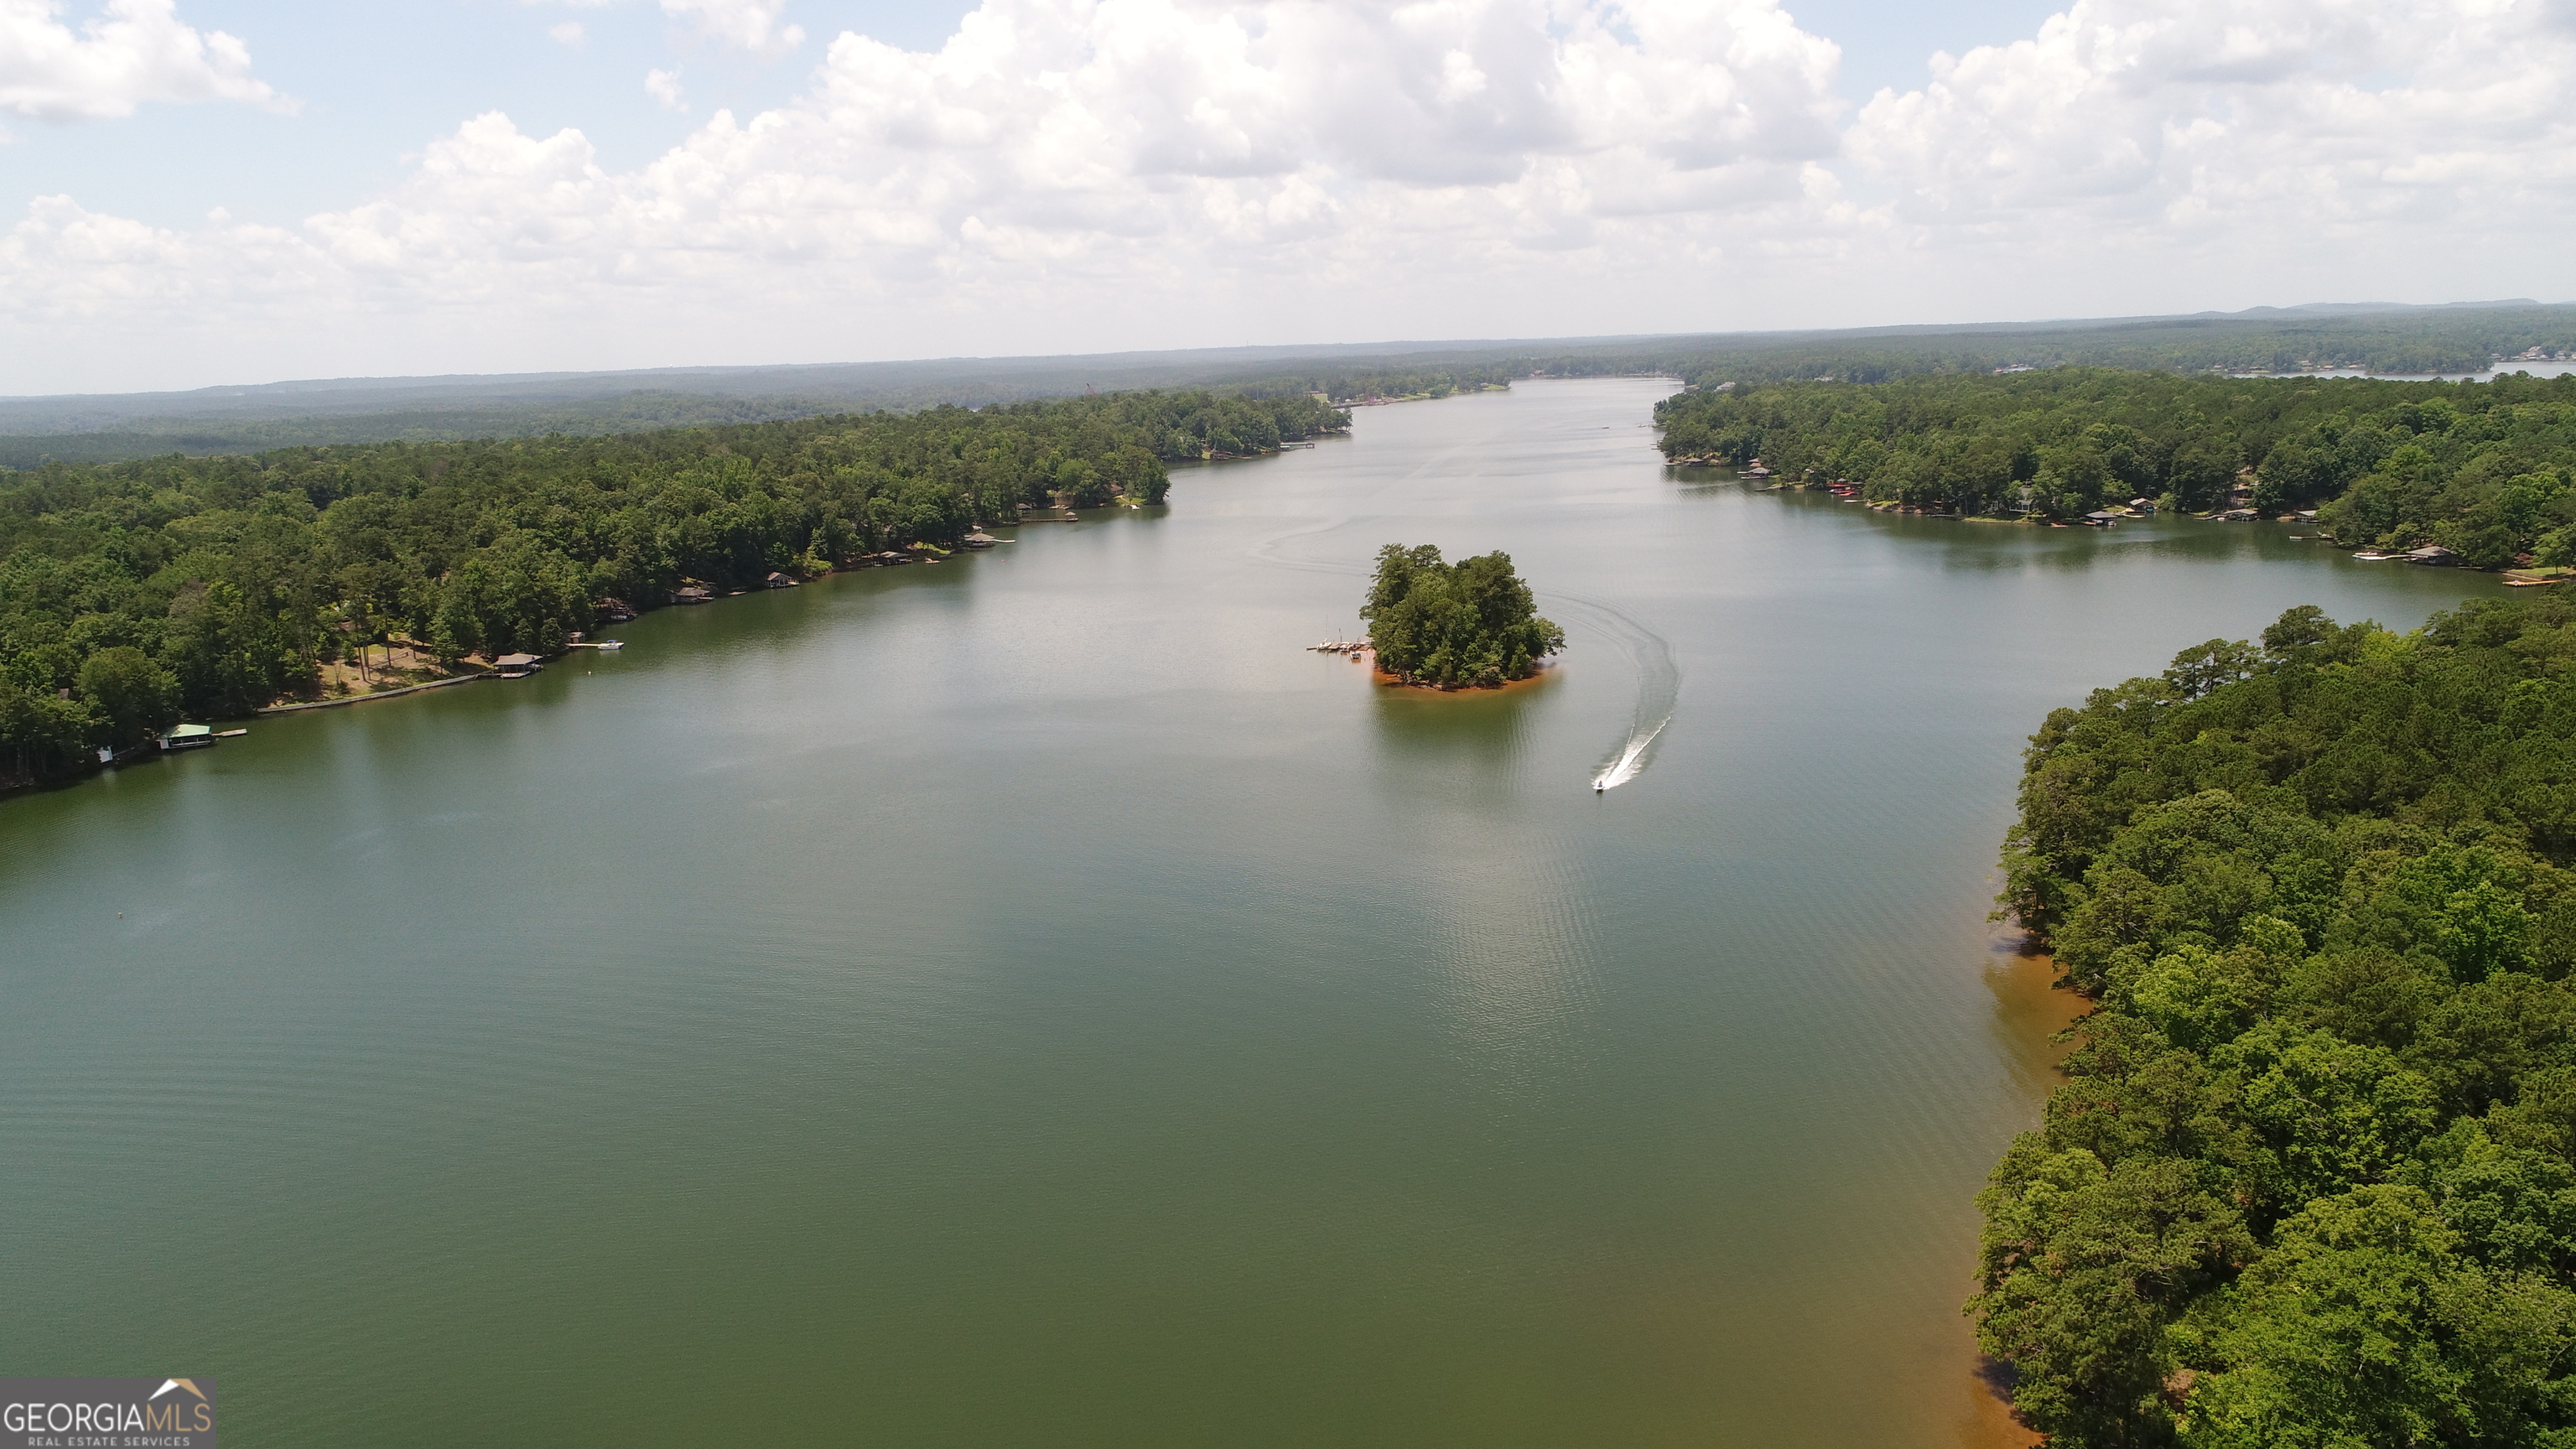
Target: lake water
[2489,374]
[1031,1001]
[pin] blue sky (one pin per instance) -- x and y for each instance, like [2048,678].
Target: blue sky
[491,185]
[374,81]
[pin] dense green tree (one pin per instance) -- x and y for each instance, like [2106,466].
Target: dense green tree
[2312,1177]
[41,731]
[2488,470]
[232,575]
[132,696]
[1469,623]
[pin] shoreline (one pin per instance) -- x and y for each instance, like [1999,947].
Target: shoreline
[2517,575]
[88,767]
[349,699]
[1384,680]
[2031,1009]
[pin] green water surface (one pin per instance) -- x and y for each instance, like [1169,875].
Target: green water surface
[1032,1001]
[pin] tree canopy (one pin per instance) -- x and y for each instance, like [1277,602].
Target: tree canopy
[2486,469]
[130,592]
[1472,623]
[2312,1179]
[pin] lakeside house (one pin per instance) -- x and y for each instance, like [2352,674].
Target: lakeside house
[516,666]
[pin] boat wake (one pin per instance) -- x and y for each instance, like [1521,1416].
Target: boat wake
[1659,687]
[1631,759]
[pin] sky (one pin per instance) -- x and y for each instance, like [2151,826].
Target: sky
[195,192]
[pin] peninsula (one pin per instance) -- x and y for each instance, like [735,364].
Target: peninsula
[2473,473]
[135,594]
[2310,1180]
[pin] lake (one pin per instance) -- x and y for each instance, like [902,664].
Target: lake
[1033,1001]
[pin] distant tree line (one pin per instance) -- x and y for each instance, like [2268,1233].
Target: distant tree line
[2312,1180]
[36,430]
[134,593]
[2485,468]
[2469,339]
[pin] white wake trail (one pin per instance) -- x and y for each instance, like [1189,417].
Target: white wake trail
[1631,761]
[1659,688]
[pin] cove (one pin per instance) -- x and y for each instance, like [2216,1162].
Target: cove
[1032,1001]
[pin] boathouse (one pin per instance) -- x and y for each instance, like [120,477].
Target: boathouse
[516,666]
[187,737]
[690,594]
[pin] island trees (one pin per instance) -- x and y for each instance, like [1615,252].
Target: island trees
[1470,624]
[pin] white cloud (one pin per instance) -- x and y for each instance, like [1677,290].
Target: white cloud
[664,87]
[1081,174]
[1072,175]
[2187,122]
[133,52]
[751,24]
[569,32]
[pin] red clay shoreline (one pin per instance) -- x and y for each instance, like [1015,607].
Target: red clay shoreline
[1540,675]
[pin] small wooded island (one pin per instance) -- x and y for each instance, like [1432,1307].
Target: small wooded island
[1468,625]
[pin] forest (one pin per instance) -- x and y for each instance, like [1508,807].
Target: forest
[2484,469]
[133,594]
[2312,1178]
[1471,624]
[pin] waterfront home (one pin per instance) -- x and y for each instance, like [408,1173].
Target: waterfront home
[516,666]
